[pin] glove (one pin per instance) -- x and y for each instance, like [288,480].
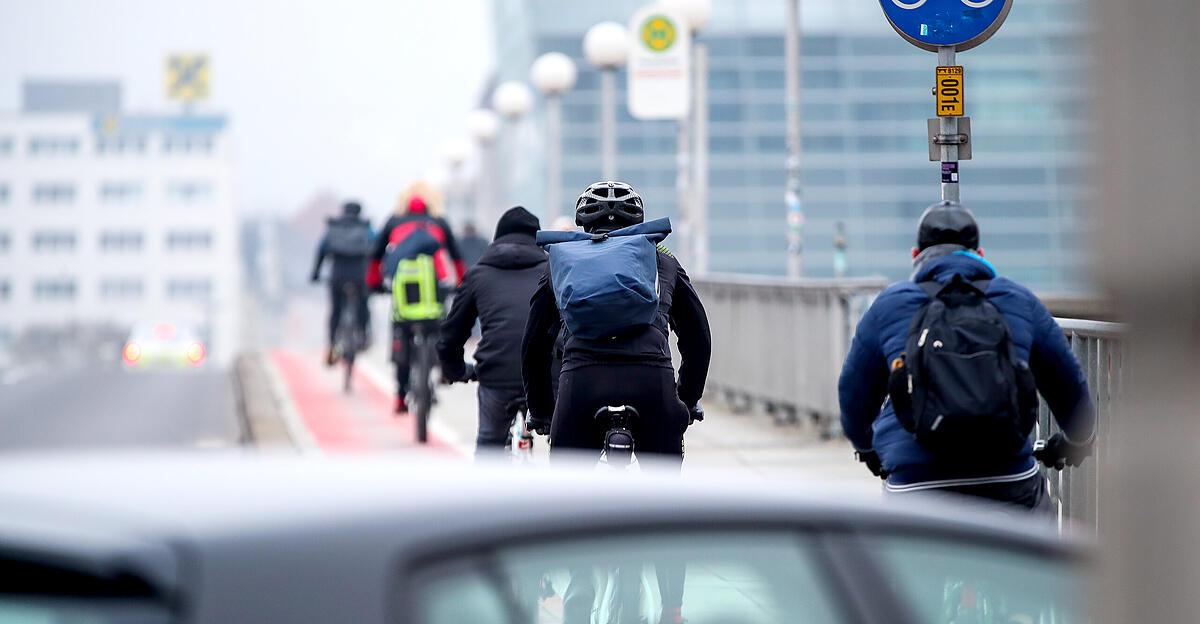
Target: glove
[874,464]
[314,278]
[537,425]
[695,414]
[1058,452]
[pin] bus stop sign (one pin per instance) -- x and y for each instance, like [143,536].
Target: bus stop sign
[930,24]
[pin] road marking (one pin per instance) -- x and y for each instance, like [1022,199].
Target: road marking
[439,433]
[301,437]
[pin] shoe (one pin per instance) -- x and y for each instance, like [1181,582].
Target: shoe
[330,357]
[401,405]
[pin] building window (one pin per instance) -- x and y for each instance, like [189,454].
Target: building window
[195,289]
[5,194]
[120,241]
[53,146]
[120,192]
[189,240]
[107,146]
[121,288]
[187,144]
[53,241]
[54,289]
[48,193]
[190,192]
[5,290]
[6,145]
[5,242]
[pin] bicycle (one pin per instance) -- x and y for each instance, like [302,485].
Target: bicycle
[519,444]
[348,339]
[618,440]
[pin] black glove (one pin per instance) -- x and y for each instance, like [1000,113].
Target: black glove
[468,374]
[871,459]
[314,278]
[537,425]
[695,414]
[1058,452]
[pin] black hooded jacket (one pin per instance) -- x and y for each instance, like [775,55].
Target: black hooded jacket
[497,291]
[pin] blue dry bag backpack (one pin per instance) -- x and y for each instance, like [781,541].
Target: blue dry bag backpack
[606,284]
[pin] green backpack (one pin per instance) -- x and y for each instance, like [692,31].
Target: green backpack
[415,291]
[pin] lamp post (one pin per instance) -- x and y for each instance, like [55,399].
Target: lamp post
[553,73]
[483,125]
[698,13]
[456,152]
[512,100]
[792,194]
[606,45]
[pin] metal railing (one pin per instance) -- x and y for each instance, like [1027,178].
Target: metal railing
[778,345]
[1101,350]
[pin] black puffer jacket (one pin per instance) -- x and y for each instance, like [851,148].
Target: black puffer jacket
[497,291]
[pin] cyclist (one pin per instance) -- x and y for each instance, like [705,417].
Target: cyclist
[948,258]
[415,229]
[631,369]
[348,241]
[496,291]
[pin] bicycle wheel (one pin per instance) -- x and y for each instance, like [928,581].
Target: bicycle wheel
[348,360]
[422,391]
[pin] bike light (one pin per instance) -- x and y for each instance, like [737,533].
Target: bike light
[131,353]
[195,353]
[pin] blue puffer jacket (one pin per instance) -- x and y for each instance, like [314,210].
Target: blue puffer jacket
[880,339]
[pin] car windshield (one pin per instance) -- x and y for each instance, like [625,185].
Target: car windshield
[28,610]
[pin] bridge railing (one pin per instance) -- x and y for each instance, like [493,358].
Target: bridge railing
[1101,349]
[779,345]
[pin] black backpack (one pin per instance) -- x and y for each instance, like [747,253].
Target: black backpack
[348,237]
[961,387]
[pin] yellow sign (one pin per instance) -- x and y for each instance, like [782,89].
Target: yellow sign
[658,33]
[187,77]
[950,91]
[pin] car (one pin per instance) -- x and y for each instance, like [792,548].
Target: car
[164,345]
[243,537]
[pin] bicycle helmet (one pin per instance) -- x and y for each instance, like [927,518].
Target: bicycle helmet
[607,206]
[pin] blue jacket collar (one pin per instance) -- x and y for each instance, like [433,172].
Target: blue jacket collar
[941,268]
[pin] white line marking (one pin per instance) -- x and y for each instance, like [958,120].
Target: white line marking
[382,381]
[301,437]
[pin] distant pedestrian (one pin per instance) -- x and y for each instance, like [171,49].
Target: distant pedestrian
[962,377]
[471,244]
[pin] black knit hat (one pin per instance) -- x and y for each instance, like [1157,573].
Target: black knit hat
[517,221]
[947,223]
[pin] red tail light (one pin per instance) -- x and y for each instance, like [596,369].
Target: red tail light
[196,353]
[131,353]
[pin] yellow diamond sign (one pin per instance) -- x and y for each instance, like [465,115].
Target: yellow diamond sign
[187,77]
[658,33]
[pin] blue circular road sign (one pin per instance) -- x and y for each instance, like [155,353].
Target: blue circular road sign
[929,24]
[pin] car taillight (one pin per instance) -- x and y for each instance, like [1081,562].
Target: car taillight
[132,353]
[195,353]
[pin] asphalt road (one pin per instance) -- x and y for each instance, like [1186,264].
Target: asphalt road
[106,408]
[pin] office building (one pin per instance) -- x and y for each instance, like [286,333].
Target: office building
[108,217]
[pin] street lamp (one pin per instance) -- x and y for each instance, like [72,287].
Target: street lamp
[456,152]
[483,125]
[512,100]
[553,73]
[792,194]
[697,13]
[606,45]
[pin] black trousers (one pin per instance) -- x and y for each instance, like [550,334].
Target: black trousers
[1027,495]
[337,298]
[649,389]
[404,349]
[494,419]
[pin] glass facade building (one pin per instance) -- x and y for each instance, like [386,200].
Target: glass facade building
[866,98]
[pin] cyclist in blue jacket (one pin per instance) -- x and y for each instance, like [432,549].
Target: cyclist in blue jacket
[948,245]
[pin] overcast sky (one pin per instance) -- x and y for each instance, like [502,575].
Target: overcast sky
[353,96]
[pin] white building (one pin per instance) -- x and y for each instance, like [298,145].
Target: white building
[107,217]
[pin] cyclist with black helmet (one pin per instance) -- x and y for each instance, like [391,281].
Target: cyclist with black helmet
[633,368]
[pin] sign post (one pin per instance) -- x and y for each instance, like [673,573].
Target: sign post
[948,27]
[659,77]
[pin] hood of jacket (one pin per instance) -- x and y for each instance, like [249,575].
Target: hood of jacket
[513,251]
[941,263]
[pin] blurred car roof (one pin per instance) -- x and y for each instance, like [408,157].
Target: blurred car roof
[247,522]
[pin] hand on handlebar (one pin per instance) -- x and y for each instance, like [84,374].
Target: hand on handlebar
[538,426]
[469,374]
[695,414]
[1058,452]
[874,464]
